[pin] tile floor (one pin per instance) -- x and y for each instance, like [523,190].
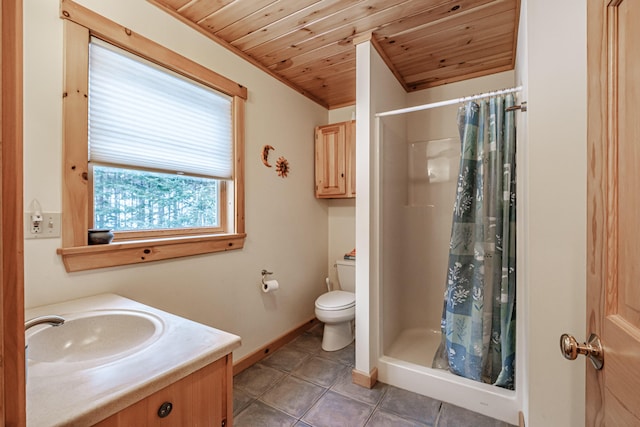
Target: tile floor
[303,386]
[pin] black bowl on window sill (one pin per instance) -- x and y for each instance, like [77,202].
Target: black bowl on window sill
[100,236]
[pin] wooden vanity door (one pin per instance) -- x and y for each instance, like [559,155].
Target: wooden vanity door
[202,399]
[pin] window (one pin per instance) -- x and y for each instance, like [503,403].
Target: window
[160,147]
[127,200]
[153,147]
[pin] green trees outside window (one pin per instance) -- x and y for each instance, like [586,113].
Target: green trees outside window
[127,200]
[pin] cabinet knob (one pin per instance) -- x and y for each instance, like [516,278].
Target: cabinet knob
[165,409]
[341,175]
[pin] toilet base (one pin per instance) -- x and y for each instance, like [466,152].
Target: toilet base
[337,336]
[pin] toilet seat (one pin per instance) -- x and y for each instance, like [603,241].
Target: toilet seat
[337,310]
[336,300]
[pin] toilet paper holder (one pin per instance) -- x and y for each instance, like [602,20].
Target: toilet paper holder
[264,273]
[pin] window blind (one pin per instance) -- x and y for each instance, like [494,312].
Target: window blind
[144,116]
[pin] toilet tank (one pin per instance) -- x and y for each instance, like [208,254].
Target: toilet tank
[346,274]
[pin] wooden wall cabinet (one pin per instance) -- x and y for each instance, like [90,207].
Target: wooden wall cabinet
[203,398]
[336,160]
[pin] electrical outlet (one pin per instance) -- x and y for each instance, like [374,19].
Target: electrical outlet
[49,227]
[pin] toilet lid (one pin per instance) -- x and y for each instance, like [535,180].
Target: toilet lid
[336,300]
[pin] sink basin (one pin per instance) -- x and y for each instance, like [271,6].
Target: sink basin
[110,353]
[94,336]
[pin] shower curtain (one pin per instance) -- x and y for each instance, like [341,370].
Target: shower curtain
[478,319]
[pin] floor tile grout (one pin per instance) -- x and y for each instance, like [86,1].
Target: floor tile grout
[341,364]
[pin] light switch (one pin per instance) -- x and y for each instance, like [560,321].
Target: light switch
[49,227]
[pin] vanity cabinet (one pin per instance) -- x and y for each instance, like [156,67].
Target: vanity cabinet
[335,163]
[203,398]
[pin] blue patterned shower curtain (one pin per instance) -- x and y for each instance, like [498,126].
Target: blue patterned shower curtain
[478,319]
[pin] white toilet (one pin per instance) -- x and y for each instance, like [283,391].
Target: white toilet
[337,309]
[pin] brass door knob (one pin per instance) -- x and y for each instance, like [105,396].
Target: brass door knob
[592,349]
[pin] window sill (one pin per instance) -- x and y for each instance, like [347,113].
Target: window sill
[143,251]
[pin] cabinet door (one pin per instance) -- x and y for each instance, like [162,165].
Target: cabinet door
[351,158]
[145,412]
[212,394]
[331,162]
[202,399]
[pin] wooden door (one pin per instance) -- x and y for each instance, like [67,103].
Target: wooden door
[204,398]
[331,160]
[12,380]
[613,247]
[351,157]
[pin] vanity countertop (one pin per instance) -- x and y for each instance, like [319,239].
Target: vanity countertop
[64,394]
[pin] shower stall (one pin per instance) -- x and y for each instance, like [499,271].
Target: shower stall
[417,168]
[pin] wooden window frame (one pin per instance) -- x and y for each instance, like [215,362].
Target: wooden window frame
[79,25]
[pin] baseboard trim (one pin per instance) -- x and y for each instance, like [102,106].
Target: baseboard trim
[365,380]
[262,352]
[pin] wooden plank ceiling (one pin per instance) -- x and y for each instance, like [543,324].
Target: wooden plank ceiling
[308,44]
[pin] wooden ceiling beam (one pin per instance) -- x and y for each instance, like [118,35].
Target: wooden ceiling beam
[174,4]
[229,14]
[446,48]
[427,16]
[473,18]
[197,10]
[352,22]
[486,50]
[261,18]
[308,44]
[463,69]
[300,24]
[327,51]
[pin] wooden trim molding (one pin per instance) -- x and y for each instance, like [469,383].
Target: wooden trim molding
[75,195]
[136,252]
[361,38]
[370,37]
[238,193]
[598,196]
[253,358]
[125,38]
[365,380]
[12,368]
[79,25]
[228,381]
[387,60]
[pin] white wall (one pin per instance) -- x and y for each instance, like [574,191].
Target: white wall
[554,206]
[286,225]
[342,212]
[393,251]
[427,215]
[342,114]
[370,71]
[522,184]
[341,232]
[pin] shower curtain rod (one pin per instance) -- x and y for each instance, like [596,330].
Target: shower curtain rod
[449,102]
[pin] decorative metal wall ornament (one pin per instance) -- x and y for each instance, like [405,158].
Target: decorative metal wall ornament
[265,155]
[282,167]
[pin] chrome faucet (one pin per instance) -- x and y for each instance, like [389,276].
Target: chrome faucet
[52,320]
